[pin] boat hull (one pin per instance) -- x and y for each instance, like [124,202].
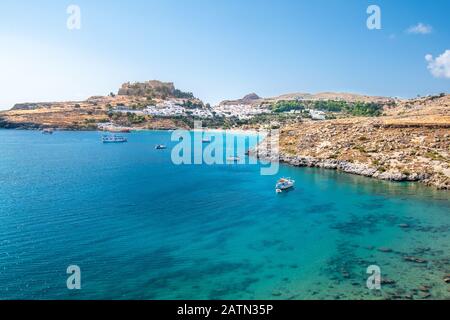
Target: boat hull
[114,141]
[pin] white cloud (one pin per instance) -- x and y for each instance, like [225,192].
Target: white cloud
[439,66]
[420,28]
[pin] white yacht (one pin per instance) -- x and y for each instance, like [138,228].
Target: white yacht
[114,139]
[284,184]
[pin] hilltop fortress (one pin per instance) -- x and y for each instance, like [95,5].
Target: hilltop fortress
[152,88]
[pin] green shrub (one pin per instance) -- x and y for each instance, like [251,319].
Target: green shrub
[286,106]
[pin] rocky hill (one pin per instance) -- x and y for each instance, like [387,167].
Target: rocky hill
[426,111]
[410,143]
[249,99]
[33,105]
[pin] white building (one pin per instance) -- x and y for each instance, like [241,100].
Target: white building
[317,114]
[125,110]
[240,111]
[172,109]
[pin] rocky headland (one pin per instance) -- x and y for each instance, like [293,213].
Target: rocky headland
[88,114]
[410,142]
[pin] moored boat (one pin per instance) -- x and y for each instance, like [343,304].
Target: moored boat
[284,184]
[114,139]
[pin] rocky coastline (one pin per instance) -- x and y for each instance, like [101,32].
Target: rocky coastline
[261,152]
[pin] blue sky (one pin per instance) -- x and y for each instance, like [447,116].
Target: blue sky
[221,49]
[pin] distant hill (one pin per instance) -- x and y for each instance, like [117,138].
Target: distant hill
[249,99]
[254,100]
[37,105]
[349,97]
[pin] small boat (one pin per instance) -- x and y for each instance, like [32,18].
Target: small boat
[233,159]
[114,139]
[284,184]
[160,147]
[47,131]
[206,140]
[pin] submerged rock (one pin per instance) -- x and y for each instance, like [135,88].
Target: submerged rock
[447,278]
[424,288]
[277,293]
[387,281]
[415,259]
[424,295]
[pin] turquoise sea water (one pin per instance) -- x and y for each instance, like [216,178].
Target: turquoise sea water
[140,227]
